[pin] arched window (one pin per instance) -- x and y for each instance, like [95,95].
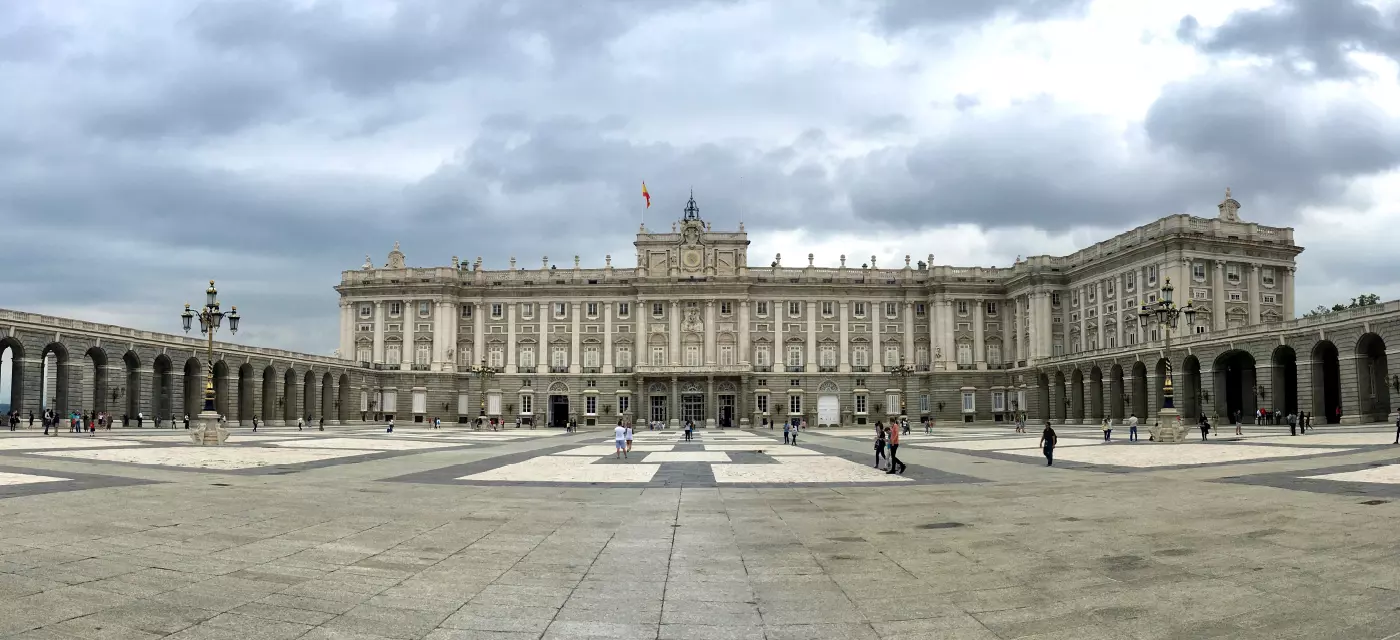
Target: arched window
[964,353]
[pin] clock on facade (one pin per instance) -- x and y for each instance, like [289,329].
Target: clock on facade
[691,258]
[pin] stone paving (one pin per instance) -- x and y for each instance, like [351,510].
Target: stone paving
[357,534]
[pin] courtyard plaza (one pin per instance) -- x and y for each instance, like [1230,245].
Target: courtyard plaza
[446,534]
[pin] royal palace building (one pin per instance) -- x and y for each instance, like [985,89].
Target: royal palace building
[696,332]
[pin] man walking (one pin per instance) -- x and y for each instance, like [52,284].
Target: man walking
[895,464]
[620,439]
[1132,428]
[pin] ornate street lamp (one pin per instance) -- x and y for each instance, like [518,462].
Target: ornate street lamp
[484,373]
[902,372]
[1164,313]
[210,319]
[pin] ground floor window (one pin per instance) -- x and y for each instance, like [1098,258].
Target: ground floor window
[969,401]
[998,401]
[590,405]
[693,407]
[794,404]
[923,403]
[763,403]
[527,404]
[624,404]
[861,403]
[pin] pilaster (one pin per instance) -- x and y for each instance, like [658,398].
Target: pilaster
[979,338]
[379,331]
[844,361]
[575,356]
[608,337]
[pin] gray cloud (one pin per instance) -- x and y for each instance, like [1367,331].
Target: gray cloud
[902,15]
[1309,37]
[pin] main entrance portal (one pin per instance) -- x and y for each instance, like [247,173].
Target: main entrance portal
[693,409]
[726,410]
[558,411]
[658,409]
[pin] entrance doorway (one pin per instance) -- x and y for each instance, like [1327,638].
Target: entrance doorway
[558,411]
[726,410]
[693,409]
[658,409]
[828,411]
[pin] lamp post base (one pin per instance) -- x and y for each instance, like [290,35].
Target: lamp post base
[208,431]
[1170,429]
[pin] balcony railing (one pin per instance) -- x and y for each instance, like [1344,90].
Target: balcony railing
[758,368]
[967,367]
[622,369]
[865,369]
[795,368]
[826,369]
[364,365]
[921,367]
[422,367]
[563,369]
[592,370]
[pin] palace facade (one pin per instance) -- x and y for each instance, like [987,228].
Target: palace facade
[694,331]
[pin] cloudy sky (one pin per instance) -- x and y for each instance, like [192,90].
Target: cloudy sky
[149,145]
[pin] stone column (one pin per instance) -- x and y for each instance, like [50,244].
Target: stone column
[935,344]
[844,359]
[779,349]
[811,338]
[1287,289]
[675,333]
[1217,294]
[1083,318]
[575,356]
[711,408]
[675,413]
[510,341]
[478,333]
[909,334]
[408,354]
[607,337]
[378,331]
[743,356]
[1254,291]
[877,355]
[1098,312]
[709,334]
[979,330]
[948,326]
[1032,326]
[1008,332]
[347,330]
[439,335]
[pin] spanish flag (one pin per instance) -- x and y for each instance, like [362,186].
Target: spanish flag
[645,194]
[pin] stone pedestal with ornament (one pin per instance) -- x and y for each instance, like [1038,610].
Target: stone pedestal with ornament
[209,429]
[1170,429]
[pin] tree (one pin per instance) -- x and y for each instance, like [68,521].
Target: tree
[1363,300]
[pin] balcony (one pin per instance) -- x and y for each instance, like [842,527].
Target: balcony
[422,367]
[865,369]
[563,369]
[998,365]
[592,370]
[795,368]
[364,365]
[967,367]
[826,369]
[760,368]
[921,367]
[622,369]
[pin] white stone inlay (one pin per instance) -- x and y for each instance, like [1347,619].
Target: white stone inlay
[686,456]
[1146,455]
[76,441]
[770,449]
[1376,438]
[386,444]
[599,450]
[801,469]
[568,469]
[216,458]
[25,478]
[1000,443]
[1389,474]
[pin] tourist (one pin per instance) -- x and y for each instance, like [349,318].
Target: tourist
[1397,427]
[628,434]
[187,421]
[1047,443]
[255,423]
[391,426]
[787,431]
[620,439]
[1205,427]
[894,454]
[1132,428]
[1239,427]
[880,446]
[904,424]
[795,428]
[928,425]
[1292,425]
[321,425]
[1107,427]
[300,422]
[31,419]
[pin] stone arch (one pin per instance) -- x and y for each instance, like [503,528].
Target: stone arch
[12,369]
[222,400]
[656,387]
[1326,382]
[1117,400]
[1043,396]
[1096,393]
[132,374]
[1190,397]
[245,393]
[193,388]
[328,401]
[269,393]
[827,386]
[342,388]
[1059,403]
[1234,385]
[289,396]
[162,391]
[1076,396]
[1284,361]
[1372,377]
[559,387]
[309,406]
[1163,372]
[97,369]
[54,383]
[726,387]
[1138,396]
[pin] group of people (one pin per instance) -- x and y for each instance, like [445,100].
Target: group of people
[887,440]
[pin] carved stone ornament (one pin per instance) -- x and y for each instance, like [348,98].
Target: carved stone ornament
[451,352]
[692,321]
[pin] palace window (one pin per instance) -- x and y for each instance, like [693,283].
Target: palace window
[527,310]
[828,355]
[623,309]
[1266,276]
[391,354]
[761,309]
[761,357]
[590,356]
[920,309]
[762,401]
[1054,298]
[592,309]
[794,355]
[962,307]
[527,357]
[1129,280]
[496,310]
[923,403]
[794,403]
[998,401]
[891,309]
[366,310]
[828,308]
[794,309]
[466,311]
[1232,273]
[424,309]
[1200,328]
[1270,298]
[527,404]
[1074,297]
[1110,286]
[994,352]
[1198,271]
[726,355]
[921,354]
[1111,339]
[969,401]
[658,356]
[964,353]
[395,308]
[891,355]
[861,403]
[1152,275]
[464,355]
[726,308]
[590,405]
[624,356]
[559,356]
[423,354]
[1236,296]
[561,309]
[363,354]
[991,308]
[860,310]
[860,356]
[1057,349]
[624,404]
[692,355]
[496,356]
[658,309]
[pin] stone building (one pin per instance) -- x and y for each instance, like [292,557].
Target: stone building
[695,331]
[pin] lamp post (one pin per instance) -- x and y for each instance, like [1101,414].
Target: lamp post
[1165,314]
[484,373]
[902,372]
[211,317]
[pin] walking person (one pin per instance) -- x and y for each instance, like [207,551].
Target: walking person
[620,439]
[1047,443]
[1205,427]
[321,424]
[187,421]
[1132,428]
[880,445]
[795,429]
[787,431]
[1107,427]
[391,426]
[300,423]
[894,453]
[629,437]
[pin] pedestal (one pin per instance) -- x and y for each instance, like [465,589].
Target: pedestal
[208,431]
[1170,429]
